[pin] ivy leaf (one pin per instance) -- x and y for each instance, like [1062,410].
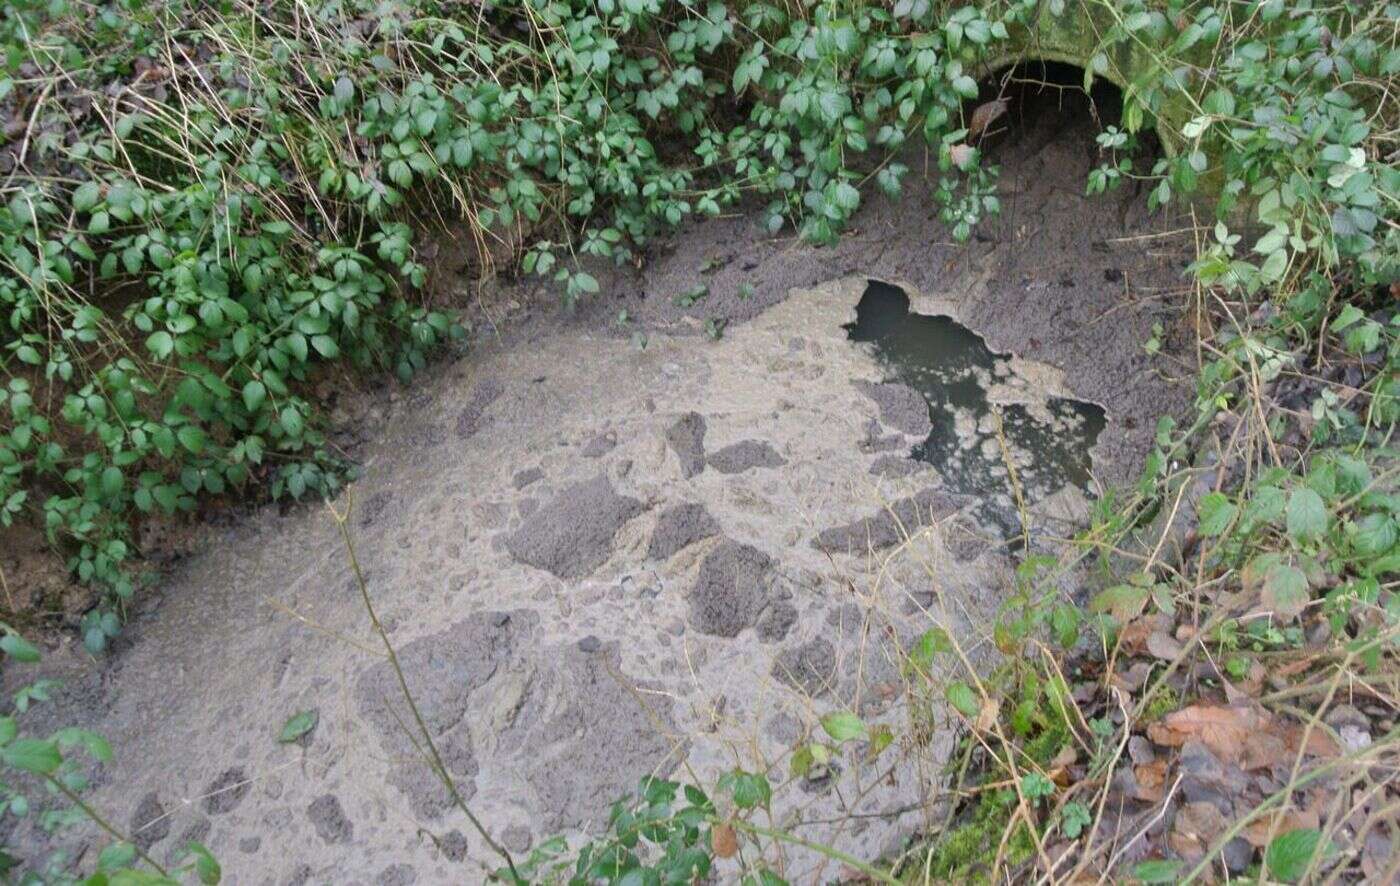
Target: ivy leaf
[843,726]
[1306,516]
[299,725]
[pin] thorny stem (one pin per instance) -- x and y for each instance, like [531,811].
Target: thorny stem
[868,870]
[439,768]
[105,825]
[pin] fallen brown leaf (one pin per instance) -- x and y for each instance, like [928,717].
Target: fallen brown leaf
[1257,832]
[1133,639]
[1162,645]
[1239,734]
[723,841]
[1195,828]
[987,716]
[985,115]
[1224,730]
[1151,780]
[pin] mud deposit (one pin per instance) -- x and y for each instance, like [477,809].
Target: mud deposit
[601,562]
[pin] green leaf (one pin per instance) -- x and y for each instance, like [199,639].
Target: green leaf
[1064,622]
[1307,515]
[18,648]
[205,865]
[115,856]
[881,737]
[298,725]
[1285,590]
[1290,854]
[1157,871]
[192,438]
[32,755]
[96,746]
[254,393]
[749,789]
[1123,602]
[1216,513]
[86,195]
[161,344]
[801,762]
[111,480]
[965,86]
[843,726]
[1374,535]
[291,421]
[325,346]
[963,699]
[585,282]
[8,730]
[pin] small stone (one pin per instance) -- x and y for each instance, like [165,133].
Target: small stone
[227,791]
[746,455]
[328,818]
[809,667]
[731,589]
[249,845]
[901,407]
[149,824]
[516,838]
[678,527]
[777,621]
[600,445]
[687,439]
[454,845]
[590,644]
[894,467]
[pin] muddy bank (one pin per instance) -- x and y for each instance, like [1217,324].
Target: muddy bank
[602,561]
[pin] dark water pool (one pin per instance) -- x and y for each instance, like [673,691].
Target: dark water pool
[952,367]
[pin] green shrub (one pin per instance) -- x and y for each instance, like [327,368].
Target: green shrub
[211,201]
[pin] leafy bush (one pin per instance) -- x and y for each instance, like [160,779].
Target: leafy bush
[207,203]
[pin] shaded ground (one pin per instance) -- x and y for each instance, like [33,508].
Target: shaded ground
[600,560]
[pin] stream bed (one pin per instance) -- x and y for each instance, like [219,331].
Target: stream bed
[600,561]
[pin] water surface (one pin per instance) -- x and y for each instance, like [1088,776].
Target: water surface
[1048,437]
